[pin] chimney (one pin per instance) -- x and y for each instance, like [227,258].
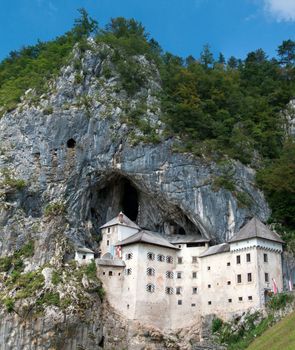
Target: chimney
[121,217]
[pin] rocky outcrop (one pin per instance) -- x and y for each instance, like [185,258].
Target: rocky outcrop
[71,159]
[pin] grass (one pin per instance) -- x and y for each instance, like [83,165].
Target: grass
[279,337]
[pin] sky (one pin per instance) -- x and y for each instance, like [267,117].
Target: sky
[182,27]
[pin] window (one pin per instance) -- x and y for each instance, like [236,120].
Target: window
[208,268]
[239,278]
[194,274]
[150,256]
[119,273]
[109,229]
[169,259]
[150,271]
[169,274]
[228,264]
[110,273]
[266,277]
[193,305]
[169,290]
[238,257]
[108,242]
[161,257]
[179,302]
[83,256]
[240,298]
[249,277]
[265,258]
[195,290]
[250,297]
[128,256]
[178,290]
[179,260]
[103,273]
[128,272]
[150,288]
[194,259]
[229,300]
[209,285]
[248,257]
[228,283]
[209,302]
[178,274]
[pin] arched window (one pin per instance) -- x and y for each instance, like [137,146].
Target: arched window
[150,288]
[128,256]
[169,290]
[169,274]
[128,272]
[150,271]
[169,259]
[150,256]
[161,257]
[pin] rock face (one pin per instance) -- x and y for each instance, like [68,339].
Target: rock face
[78,147]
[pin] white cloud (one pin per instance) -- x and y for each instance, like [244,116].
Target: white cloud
[281,10]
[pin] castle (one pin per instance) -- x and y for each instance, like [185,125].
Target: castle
[172,281]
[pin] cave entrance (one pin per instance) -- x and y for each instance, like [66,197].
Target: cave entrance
[129,200]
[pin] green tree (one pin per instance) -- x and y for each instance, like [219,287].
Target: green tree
[286,51]
[84,25]
[206,56]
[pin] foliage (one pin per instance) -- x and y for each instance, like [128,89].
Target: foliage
[49,298]
[235,106]
[33,66]
[55,209]
[9,304]
[15,261]
[90,270]
[5,263]
[26,284]
[11,181]
[277,181]
[56,278]
[238,335]
[216,324]
[279,301]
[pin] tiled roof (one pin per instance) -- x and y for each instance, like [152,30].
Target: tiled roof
[110,262]
[149,237]
[84,250]
[175,239]
[255,228]
[216,249]
[121,219]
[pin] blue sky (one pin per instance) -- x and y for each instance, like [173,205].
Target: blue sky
[182,27]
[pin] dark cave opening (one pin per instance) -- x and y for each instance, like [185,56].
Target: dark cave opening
[71,143]
[181,231]
[129,200]
[115,192]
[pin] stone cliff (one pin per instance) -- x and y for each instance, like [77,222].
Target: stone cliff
[71,159]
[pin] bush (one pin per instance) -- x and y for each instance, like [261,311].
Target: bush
[49,298]
[91,270]
[216,325]
[26,250]
[48,110]
[279,301]
[55,209]
[9,304]
[56,278]
[5,263]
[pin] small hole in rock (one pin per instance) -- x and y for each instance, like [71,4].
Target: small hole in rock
[71,143]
